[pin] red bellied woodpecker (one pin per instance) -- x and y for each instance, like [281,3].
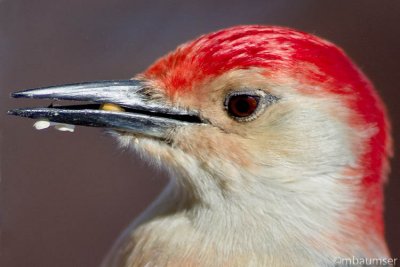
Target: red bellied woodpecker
[277,146]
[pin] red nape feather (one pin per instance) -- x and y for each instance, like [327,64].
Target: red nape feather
[304,57]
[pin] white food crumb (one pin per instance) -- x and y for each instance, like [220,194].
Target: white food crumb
[65,127]
[43,124]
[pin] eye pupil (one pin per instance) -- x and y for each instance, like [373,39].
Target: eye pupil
[242,105]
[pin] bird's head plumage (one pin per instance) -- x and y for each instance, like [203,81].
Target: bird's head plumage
[285,123]
[279,61]
[321,117]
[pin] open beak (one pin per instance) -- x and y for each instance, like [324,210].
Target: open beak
[136,112]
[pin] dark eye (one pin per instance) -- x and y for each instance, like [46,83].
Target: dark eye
[243,105]
[246,105]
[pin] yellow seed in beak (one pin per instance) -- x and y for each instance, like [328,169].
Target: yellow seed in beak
[111,107]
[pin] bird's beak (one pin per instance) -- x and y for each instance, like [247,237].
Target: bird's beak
[133,109]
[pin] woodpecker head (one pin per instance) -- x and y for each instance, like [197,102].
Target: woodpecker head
[263,118]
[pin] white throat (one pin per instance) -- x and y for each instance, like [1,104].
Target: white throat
[244,222]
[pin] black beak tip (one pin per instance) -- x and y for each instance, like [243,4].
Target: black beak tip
[15,112]
[19,94]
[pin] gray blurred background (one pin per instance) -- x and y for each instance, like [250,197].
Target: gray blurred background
[66,197]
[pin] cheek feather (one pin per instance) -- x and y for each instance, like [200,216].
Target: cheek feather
[215,147]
